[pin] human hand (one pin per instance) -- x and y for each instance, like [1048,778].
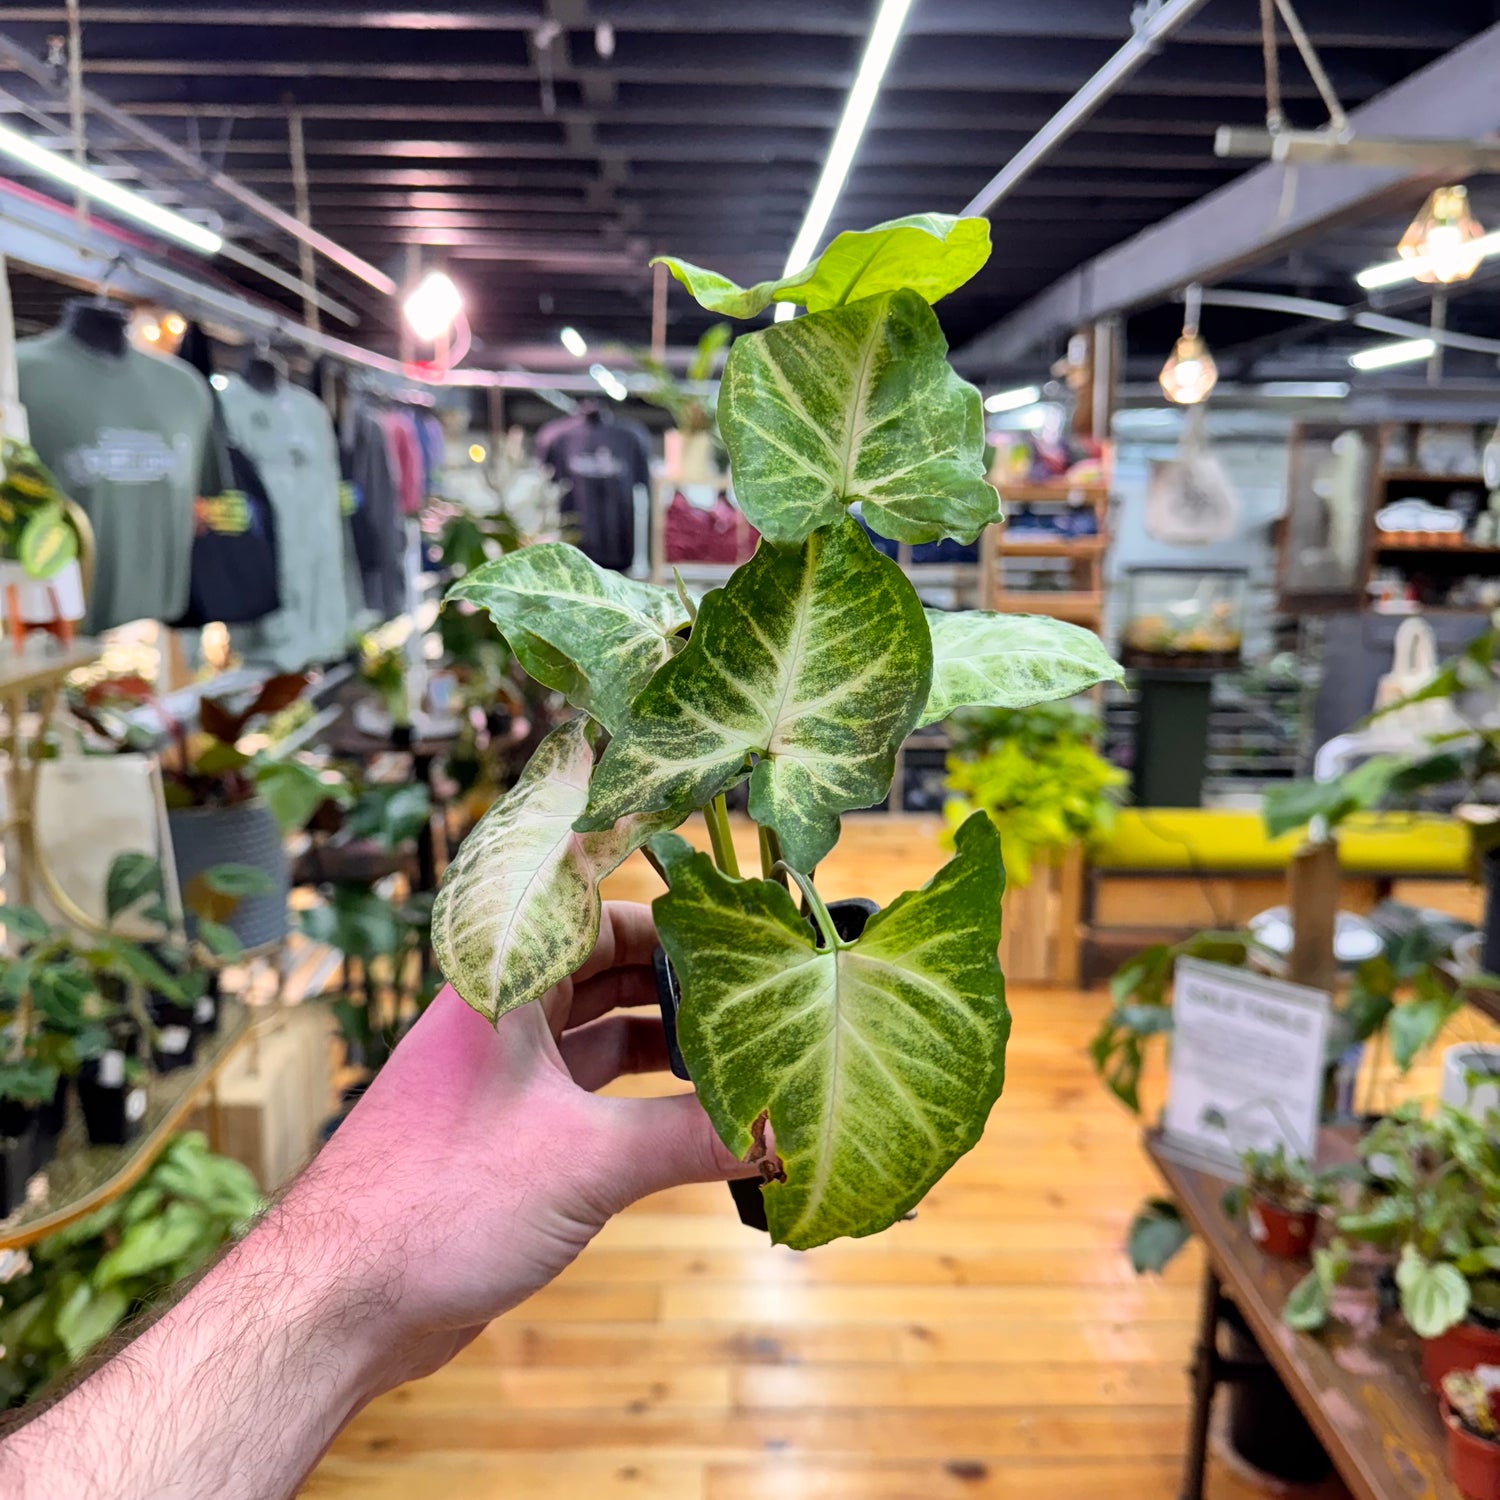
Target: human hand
[481,1161]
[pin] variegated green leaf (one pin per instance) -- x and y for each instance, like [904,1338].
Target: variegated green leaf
[586,632]
[519,906]
[856,404]
[48,542]
[930,254]
[814,658]
[983,659]
[877,1062]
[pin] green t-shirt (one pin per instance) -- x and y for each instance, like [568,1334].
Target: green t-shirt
[126,438]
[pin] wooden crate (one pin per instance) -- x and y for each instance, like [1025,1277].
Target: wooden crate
[1039,923]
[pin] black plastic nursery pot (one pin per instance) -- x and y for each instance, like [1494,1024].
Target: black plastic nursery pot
[51,1116]
[113,1108]
[206,1009]
[16,1153]
[849,918]
[174,1041]
[1265,1427]
[18,1123]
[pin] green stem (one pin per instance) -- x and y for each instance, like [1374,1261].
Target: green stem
[716,816]
[814,901]
[770,856]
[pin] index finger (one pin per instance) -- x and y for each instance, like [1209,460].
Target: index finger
[627,939]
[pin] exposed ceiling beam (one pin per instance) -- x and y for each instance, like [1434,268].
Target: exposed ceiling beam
[1258,216]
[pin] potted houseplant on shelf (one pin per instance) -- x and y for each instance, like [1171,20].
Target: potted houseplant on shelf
[802,675]
[40,577]
[691,447]
[1282,1198]
[69,1291]
[1430,1204]
[1471,1413]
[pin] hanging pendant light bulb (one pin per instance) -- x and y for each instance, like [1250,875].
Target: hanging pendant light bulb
[1190,372]
[1442,243]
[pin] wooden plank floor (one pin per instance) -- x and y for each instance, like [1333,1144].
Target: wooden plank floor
[997,1346]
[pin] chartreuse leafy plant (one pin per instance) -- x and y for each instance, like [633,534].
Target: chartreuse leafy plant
[855,1072]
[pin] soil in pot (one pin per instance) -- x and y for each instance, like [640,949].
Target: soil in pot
[1473,1462]
[1280,1232]
[113,1108]
[1464,1347]
[849,918]
[174,1043]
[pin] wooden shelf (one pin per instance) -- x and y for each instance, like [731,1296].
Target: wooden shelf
[43,662]
[1421,476]
[1440,549]
[1052,546]
[1023,493]
[82,1178]
[1077,608]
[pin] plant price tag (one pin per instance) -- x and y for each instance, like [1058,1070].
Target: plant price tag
[1248,1063]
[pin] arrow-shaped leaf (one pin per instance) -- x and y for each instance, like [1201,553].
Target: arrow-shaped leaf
[931,254]
[816,659]
[519,906]
[982,659]
[876,1062]
[579,629]
[856,404]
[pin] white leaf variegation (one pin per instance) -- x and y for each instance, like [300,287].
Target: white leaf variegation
[816,659]
[586,632]
[876,1062]
[856,404]
[983,659]
[930,254]
[519,906]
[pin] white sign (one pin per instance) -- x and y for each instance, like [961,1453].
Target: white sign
[1247,1063]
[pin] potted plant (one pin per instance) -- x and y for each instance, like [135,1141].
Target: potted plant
[801,676]
[69,1291]
[384,669]
[1430,1202]
[40,576]
[691,447]
[1471,1413]
[229,804]
[1283,1199]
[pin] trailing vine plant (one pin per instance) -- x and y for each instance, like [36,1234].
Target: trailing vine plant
[875,1062]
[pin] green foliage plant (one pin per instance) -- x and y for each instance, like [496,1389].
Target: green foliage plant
[71,1290]
[1039,778]
[34,526]
[1430,1195]
[856,1072]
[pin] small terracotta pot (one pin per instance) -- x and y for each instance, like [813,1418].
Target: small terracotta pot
[1465,1346]
[1473,1462]
[1280,1233]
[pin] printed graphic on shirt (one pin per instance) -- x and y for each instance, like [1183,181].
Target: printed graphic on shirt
[600,464]
[127,455]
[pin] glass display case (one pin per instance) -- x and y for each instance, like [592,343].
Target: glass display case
[1184,618]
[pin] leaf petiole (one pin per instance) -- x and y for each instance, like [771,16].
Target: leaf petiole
[716,816]
[770,856]
[831,938]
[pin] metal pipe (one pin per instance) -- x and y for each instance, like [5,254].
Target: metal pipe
[1152,31]
[18,57]
[302,201]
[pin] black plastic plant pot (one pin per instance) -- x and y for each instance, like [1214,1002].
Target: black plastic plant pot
[206,1009]
[849,918]
[16,1154]
[18,1123]
[401,736]
[113,1108]
[174,1043]
[50,1119]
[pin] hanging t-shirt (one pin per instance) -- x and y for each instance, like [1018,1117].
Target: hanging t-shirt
[600,460]
[288,436]
[126,437]
[379,541]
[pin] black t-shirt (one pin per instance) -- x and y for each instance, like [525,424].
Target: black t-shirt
[600,461]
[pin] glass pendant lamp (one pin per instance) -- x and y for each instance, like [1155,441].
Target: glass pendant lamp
[1441,245]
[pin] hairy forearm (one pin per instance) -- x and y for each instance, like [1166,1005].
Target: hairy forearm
[235,1391]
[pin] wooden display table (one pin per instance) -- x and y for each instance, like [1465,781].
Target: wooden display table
[1362,1394]
[82,1178]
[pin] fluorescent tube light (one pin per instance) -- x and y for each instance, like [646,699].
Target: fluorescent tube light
[1382,356]
[609,382]
[884,35]
[1332,390]
[122,200]
[1025,395]
[574,342]
[1394,272]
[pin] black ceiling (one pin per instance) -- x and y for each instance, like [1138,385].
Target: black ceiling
[496,137]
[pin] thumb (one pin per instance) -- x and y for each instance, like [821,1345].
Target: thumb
[664,1143]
